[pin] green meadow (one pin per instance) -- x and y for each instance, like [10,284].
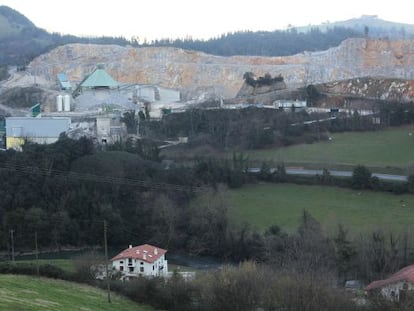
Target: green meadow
[262,205]
[64,264]
[389,148]
[18,293]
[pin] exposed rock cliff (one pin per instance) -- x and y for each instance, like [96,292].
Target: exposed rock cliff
[196,72]
[371,88]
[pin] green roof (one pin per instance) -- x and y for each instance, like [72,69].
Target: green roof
[99,78]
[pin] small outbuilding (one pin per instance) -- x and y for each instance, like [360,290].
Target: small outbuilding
[63,81]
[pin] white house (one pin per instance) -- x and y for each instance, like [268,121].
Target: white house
[144,260]
[396,286]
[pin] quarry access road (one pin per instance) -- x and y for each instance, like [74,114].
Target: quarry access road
[389,177]
[311,172]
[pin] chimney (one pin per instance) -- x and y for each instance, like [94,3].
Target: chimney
[155,251]
[144,256]
[130,246]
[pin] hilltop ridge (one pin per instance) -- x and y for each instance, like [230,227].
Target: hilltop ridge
[21,40]
[12,22]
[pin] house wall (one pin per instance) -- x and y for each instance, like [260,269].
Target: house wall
[289,104]
[392,291]
[140,267]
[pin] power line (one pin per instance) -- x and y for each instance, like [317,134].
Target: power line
[32,170]
[108,286]
[12,244]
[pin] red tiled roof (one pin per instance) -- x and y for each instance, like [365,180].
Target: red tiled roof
[405,274]
[144,252]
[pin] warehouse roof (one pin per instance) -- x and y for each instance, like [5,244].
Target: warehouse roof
[99,78]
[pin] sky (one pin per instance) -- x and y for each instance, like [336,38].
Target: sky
[156,19]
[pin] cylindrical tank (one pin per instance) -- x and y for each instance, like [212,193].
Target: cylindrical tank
[59,103]
[66,102]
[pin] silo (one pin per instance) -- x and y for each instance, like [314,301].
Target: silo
[66,102]
[59,103]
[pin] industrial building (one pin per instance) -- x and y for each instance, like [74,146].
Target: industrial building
[44,130]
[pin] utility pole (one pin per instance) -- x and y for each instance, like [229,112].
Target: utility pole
[12,245]
[37,255]
[108,286]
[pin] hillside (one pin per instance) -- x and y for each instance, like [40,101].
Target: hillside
[28,293]
[12,22]
[197,72]
[377,27]
[282,204]
[294,39]
[21,40]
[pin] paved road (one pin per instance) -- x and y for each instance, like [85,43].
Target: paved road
[390,177]
[301,171]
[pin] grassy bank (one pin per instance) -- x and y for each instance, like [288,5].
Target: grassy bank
[390,148]
[64,264]
[263,205]
[27,293]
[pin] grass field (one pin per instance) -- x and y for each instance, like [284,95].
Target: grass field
[65,264]
[392,147]
[18,293]
[263,205]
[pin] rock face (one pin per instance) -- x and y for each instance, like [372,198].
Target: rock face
[196,72]
[393,90]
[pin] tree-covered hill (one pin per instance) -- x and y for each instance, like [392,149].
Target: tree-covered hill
[372,24]
[12,22]
[295,39]
[265,43]
[21,40]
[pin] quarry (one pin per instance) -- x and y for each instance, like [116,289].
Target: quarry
[94,85]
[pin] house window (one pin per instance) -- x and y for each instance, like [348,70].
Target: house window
[121,262]
[141,269]
[129,261]
[153,268]
[142,263]
[131,269]
[121,268]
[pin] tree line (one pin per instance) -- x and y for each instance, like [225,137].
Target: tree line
[45,188]
[19,48]
[64,191]
[264,43]
[253,128]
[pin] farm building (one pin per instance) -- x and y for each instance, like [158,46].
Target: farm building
[395,287]
[286,104]
[144,260]
[100,92]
